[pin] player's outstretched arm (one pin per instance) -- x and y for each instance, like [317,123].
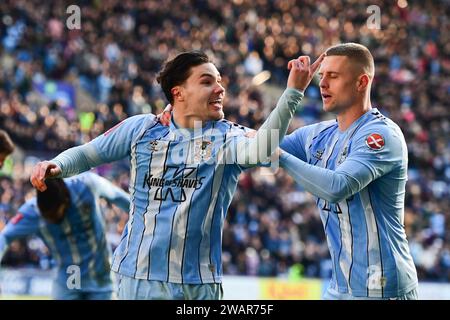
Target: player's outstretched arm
[68,163]
[113,145]
[326,184]
[362,166]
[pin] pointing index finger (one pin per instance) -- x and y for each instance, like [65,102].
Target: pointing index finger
[317,63]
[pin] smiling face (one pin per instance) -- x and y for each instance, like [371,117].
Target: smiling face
[202,93]
[338,84]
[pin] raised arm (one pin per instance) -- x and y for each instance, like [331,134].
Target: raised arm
[265,142]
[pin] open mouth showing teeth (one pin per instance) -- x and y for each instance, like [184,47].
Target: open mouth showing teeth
[325,96]
[216,101]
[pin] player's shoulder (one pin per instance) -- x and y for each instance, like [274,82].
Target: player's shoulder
[321,126]
[380,131]
[144,120]
[77,184]
[379,123]
[231,127]
[315,129]
[84,180]
[27,210]
[81,178]
[133,124]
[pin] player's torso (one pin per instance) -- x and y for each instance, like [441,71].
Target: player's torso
[169,169]
[364,262]
[79,239]
[327,148]
[180,188]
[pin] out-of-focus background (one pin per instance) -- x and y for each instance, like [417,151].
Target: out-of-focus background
[61,87]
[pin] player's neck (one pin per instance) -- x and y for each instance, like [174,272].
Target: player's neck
[347,117]
[186,120]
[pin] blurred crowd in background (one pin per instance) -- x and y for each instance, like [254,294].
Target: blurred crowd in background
[273,227]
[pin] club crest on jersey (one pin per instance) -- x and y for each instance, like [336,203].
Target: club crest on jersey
[375,141]
[203,150]
[343,155]
[318,155]
[153,145]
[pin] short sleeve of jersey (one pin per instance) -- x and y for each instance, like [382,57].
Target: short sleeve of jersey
[116,143]
[379,148]
[24,223]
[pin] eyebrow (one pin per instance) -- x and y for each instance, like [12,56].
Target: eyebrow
[209,75]
[335,72]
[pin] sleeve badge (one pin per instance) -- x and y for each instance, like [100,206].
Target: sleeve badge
[375,141]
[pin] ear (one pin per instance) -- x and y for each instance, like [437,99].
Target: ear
[363,82]
[177,93]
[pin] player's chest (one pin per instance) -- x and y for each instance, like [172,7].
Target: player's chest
[329,152]
[170,151]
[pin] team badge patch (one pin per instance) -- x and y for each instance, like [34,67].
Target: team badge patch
[153,145]
[203,150]
[375,141]
[343,155]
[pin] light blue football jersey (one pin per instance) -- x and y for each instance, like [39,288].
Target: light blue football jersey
[359,178]
[180,192]
[181,184]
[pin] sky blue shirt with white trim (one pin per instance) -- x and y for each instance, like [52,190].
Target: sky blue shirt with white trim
[79,239]
[181,184]
[359,177]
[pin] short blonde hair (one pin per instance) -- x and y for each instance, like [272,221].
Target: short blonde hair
[357,53]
